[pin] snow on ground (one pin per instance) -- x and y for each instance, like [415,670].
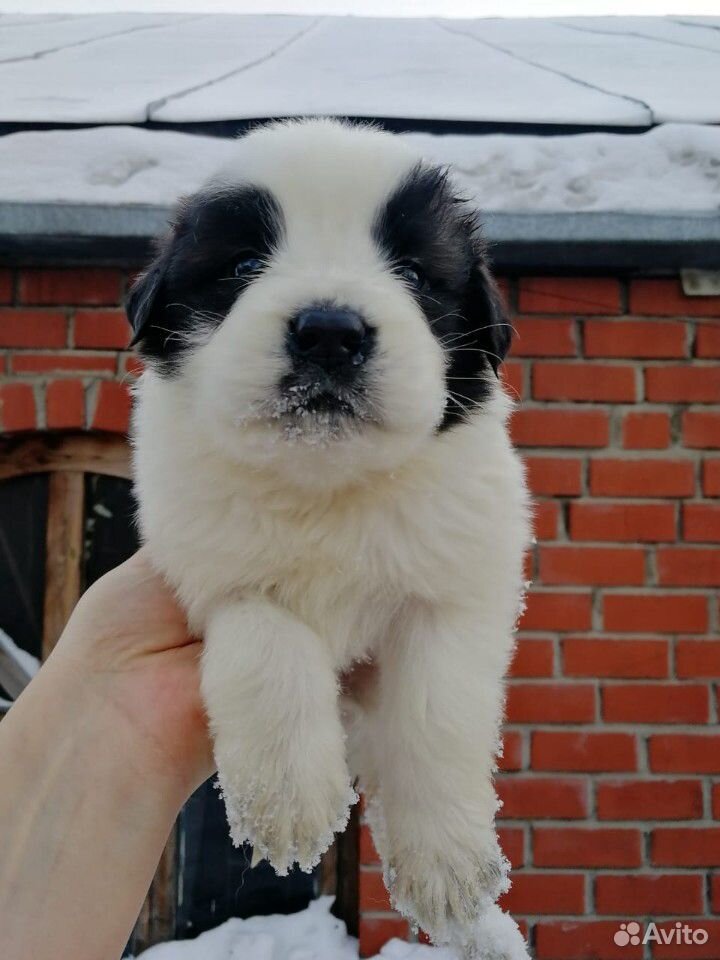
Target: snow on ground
[312,934]
[675,167]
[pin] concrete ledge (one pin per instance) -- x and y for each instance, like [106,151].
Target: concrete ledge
[558,242]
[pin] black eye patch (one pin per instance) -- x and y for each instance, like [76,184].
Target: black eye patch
[193,282]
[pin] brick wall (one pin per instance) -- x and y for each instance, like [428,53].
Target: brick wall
[611,774]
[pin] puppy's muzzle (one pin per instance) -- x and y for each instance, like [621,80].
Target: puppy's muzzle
[330,337]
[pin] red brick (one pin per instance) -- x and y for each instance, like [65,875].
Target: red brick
[581,295]
[692,950]
[697,658]
[550,703]
[32,328]
[603,657]
[583,940]
[715,893]
[701,430]
[656,703]
[512,844]
[701,522]
[511,758]
[655,613]
[586,847]
[560,428]
[6,286]
[65,404]
[374,933]
[553,893]
[688,566]
[634,338]
[642,478]
[584,382]
[556,611]
[545,519]
[622,522]
[554,476]
[685,846]
[112,409]
[131,365]
[367,851]
[646,431]
[535,798]
[649,800]
[62,363]
[104,329]
[716,801]
[511,375]
[17,407]
[595,566]
[688,383]
[532,658]
[711,478]
[372,892]
[566,750]
[707,343]
[543,337]
[665,298]
[654,896]
[81,285]
[684,753]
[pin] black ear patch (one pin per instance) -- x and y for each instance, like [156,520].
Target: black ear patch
[484,303]
[142,298]
[426,224]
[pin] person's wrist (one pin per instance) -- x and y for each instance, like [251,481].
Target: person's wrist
[90,699]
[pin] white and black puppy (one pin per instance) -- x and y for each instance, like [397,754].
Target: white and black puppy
[324,475]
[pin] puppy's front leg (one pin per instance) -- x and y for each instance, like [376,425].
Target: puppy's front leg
[271,697]
[440,701]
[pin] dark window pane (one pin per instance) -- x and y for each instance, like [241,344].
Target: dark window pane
[23,518]
[216,881]
[110,533]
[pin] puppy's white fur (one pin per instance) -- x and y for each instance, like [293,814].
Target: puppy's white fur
[298,546]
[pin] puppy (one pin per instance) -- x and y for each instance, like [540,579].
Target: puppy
[324,476]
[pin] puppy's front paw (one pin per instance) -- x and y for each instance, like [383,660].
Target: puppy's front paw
[443,886]
[289,812]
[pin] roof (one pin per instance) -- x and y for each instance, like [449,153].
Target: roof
[179,69]
[640,192]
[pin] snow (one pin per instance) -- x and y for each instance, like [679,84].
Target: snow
[17,668]
[672,168]
[197,66]
[314,934]
[399,68]
[121,78]
[46,35]
[669,82]
[29,664]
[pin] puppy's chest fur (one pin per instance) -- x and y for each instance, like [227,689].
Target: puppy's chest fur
[344,561]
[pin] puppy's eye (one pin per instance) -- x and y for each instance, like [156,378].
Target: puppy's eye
[247,266]
[411,274]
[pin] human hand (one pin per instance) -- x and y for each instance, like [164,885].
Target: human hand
[128,641]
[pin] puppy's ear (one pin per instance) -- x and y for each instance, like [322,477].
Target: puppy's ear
[143,298]
[488,313]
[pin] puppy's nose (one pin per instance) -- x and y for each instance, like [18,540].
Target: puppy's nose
[329,336]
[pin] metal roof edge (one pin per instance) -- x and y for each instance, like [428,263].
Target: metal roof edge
[566,242]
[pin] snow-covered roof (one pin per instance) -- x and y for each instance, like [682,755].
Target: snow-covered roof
[643,190]
[183,68]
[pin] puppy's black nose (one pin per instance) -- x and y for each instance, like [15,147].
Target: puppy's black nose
[329,336]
